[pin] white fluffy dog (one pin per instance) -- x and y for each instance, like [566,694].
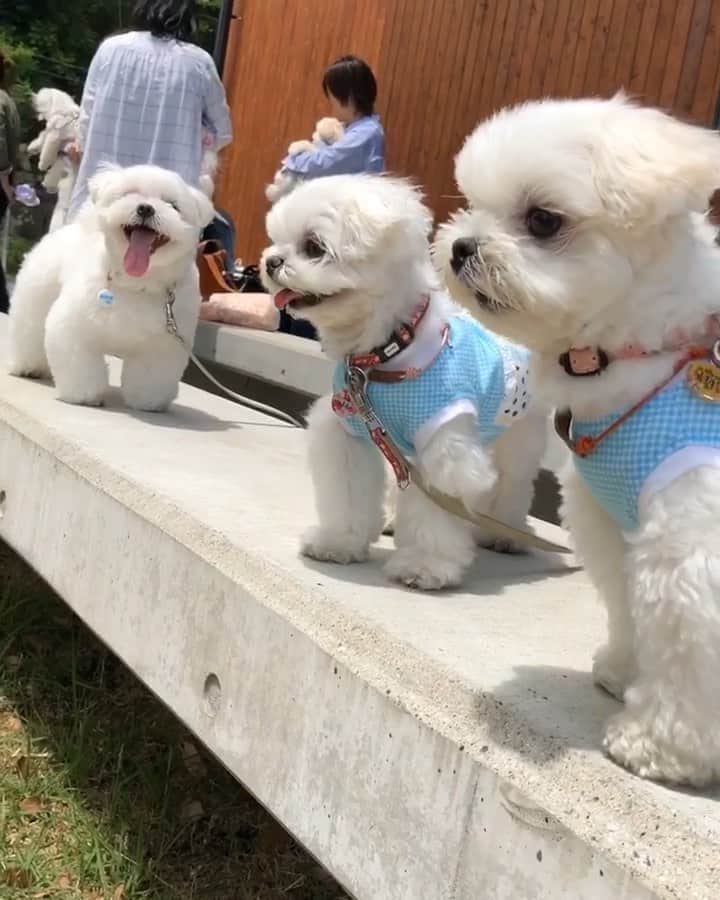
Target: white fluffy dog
[583,240]
[60,114]
[350,254]
[100,285]
[327,131]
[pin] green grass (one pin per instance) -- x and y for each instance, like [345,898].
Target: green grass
[17,248]
[103,794]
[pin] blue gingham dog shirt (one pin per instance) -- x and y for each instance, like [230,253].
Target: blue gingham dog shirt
[672,433]
[475,373]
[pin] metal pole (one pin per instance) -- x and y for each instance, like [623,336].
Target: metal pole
[222,33]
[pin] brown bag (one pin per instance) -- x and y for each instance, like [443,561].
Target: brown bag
[212,264]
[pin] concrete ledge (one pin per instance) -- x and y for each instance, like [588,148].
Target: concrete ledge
[422,747]
[280,359]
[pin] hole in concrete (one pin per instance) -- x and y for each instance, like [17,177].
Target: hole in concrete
[3,498]
[212,694]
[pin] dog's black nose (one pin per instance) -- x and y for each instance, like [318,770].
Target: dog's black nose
[273,263]
[462,250]
[145,211]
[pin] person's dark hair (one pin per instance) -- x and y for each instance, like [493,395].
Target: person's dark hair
[350,78]
[166,18]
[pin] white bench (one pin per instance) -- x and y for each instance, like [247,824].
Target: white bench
[422,747]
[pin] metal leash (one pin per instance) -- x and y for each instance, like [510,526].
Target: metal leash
[172,328]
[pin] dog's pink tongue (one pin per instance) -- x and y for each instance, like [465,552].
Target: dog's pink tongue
[137,255]
[285,296]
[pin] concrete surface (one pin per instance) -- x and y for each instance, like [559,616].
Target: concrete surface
[423,747]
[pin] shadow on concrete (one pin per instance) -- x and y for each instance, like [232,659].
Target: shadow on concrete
[507,570]
[562,706]
[566,710]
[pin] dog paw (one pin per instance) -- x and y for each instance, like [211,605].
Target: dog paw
[421,572]
[613,670]
[160,406]
[333,546]
[504,545]
[38,372]
[632,740]
[82,399]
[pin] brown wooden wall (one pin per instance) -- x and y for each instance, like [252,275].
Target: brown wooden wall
[442,66]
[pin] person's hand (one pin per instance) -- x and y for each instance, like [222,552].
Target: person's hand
[74,153]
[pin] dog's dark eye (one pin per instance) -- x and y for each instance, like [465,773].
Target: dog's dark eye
[173,204]
[312,248]
[542,223]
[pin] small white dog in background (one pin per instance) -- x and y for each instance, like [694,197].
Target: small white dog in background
[583,241]
[99,287]
[327,131]
[350,254]
[60,114]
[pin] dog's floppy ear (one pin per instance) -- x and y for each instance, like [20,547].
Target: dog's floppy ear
[387,207]
[101,181]
[204,207]
[649,167]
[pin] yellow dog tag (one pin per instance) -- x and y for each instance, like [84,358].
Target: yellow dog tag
[704,379]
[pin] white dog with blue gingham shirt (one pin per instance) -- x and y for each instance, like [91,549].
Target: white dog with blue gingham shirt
[350,254]
[583,240]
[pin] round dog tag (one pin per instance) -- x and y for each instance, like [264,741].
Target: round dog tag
[106,297]
[704,378]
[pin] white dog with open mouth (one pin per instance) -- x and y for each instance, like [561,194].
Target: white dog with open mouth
[100,287]
[583,240]
[350,254]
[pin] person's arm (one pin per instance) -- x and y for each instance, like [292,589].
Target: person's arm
[215,107]
[8,142]
[348,156]
[6,186]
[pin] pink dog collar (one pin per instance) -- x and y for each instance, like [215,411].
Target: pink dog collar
[584,361]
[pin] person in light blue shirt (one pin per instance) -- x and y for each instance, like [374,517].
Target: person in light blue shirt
[350,86]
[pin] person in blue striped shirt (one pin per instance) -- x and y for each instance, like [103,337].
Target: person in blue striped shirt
[350,86]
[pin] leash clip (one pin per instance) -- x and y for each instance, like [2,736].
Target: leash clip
[356,380]
[171,325]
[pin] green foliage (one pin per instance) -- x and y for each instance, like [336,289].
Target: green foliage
[51,42]
[17,248]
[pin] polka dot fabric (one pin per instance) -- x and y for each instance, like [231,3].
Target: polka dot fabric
[474,366]
[673,421]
